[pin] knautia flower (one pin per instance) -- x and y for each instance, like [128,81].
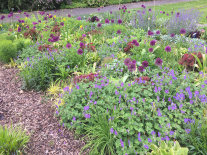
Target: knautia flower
[158,62]
[168,49]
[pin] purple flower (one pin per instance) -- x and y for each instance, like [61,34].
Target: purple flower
[150,49]
[143,6]
[146,147]
[153,132]
[86,108]
[127,61]
[132,67]
[139,135]
[112,130]
[68,45]
[182,31]
[87,116]
[107,21]
[2,17]
[82,45]
[168,49]
[187,131]
[119,21]
[62,23]
[152,43]
[69,15]
[166,91]
[171,133]
[122,143]
[150,33]
[79,18]
[145,64]
[158,62]
[99,25]
[118,32]
[80,51]
[83,35]
[158,32]
[115,132]
[141,68]
[74,118]
[134,61]
[172,35]
[149,140]
[19,29]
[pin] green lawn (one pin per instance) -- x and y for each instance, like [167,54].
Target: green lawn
[200,5]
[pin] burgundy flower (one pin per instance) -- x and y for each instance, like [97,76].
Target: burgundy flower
[151,49]
[143,6]
[136,44]
[134,61]
[2,17]
[112,21]
[168,49]
[134,41]
[19,29]
[141,68]
[80,51]
[158,62]
[145,64]
[127,61]
[152,43]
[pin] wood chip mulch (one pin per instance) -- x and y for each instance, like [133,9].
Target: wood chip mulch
[26,108]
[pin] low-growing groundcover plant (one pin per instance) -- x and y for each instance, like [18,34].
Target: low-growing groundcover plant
[12,139]
[140,112]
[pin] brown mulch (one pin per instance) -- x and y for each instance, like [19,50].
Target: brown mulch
[28,109]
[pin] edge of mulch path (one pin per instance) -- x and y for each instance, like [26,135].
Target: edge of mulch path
[27,108]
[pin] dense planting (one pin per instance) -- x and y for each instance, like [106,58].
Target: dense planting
[127,81]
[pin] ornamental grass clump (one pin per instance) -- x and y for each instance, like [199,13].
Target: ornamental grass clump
[147,113]
[183,20]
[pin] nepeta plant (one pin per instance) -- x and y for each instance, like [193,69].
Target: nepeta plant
[185,19]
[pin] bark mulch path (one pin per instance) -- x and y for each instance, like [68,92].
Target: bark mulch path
[36,116]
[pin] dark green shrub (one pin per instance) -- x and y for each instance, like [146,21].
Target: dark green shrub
[7,51]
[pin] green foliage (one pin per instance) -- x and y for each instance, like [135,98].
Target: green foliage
[12,139]
[7,51]
[97,132]
[197,138]
[139,108]
[169,148]
[96,2]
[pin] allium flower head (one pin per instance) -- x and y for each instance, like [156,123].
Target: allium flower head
[118,32]
[119,21]
[141,68]
[99,25]
[80,51]
[172,35]
[182,31]
[82,45]
[152,43]
[68,45]
[107,21]
[112,21]
[2,17]
[150,33]
[143,6]
[134,41]
[151,49]
[69,15]
[127,61]
[168,49]
[158,32]
[158,62]
[132,67]
[145,64]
